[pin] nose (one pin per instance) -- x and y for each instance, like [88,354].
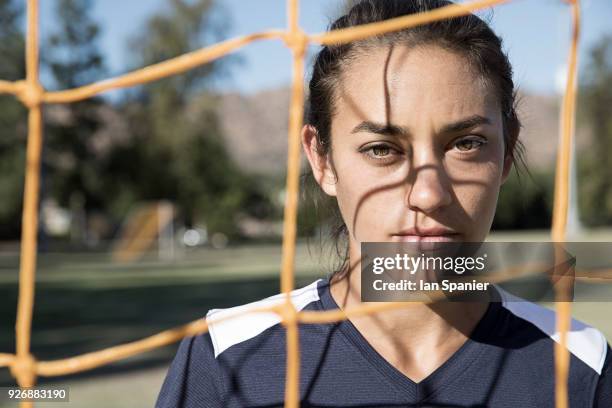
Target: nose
[429,190]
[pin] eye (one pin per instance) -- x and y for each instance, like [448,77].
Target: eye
[469,143]
[380,152]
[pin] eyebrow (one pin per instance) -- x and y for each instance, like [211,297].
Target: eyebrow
[387,129]
[465,124]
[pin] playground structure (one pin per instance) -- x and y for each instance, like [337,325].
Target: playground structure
[24,366]
[146,225]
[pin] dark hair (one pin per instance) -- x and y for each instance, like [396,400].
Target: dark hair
[467,35]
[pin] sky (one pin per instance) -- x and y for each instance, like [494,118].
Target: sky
[536,35]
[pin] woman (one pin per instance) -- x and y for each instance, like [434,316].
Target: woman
[413,133]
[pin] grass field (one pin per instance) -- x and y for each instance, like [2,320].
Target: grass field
[85,303]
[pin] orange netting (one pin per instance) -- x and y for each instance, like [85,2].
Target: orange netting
[23,365]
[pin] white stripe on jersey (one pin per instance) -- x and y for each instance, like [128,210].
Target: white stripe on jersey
[583,341]
[235,330]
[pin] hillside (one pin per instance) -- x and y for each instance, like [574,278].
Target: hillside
[255,128]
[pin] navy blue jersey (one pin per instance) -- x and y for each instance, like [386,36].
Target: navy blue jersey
[508,361]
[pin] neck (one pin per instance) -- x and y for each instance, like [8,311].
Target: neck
[417,338]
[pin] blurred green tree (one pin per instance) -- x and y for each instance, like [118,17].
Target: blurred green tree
[525,201]
[176,150]
[71,165]
[12,121]
[594,171]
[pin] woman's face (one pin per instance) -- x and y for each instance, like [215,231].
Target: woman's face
[417,148]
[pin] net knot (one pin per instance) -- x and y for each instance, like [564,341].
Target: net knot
[30,95]
[287,312]
[297,41]
[23,368]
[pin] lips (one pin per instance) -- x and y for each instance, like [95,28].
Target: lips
[428,238]
[437,234]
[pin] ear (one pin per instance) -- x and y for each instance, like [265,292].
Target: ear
[508,162]
[320,165]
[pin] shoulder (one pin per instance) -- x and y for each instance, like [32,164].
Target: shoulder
[583,341]
[193,378]
[200,376]
[603,393]
[229,327]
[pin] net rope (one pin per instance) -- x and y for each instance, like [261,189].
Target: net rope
[23,364]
